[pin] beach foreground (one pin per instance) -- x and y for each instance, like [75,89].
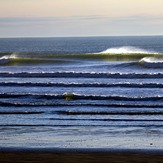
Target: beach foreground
[80,155]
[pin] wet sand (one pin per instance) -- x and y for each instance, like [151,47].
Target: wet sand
[80,156]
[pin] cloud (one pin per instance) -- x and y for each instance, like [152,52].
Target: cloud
[134,18]
[81,25]
[138,18]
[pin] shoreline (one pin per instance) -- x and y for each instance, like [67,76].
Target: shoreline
[86,155]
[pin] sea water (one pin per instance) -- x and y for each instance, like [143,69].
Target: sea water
[85,92]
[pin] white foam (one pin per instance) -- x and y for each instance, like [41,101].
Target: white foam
[127,50]
[7,58]
[152,62]
[4,59]
[14,55]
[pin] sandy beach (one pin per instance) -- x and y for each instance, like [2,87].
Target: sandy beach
[80,155]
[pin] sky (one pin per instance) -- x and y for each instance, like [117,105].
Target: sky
[72,18]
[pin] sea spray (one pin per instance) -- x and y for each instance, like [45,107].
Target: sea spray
[127,50]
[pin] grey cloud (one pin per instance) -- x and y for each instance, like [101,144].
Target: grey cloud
[80,25]
[80,18]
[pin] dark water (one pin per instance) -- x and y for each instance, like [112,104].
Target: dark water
[95,92]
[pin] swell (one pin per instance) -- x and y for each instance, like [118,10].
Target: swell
[71,97]
[65,112]
[44,55]
[110,119]
[20,112]
[29,61]
[38,58]
[101,85]
[18,104]
[79,75]
[109,113]
[39,100]
[81,125]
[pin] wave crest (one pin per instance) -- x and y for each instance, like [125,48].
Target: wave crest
[127,50]
[7,58]
[152,62]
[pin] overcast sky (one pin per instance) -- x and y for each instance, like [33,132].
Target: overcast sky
[55,18]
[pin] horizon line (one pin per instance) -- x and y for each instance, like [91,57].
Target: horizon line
[19,37]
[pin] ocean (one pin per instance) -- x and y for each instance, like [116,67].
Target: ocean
[83,92]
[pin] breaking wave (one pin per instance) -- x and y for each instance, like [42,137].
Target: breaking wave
[90,100]
[7,58]
[152,62]
[74,96]
[112,54]
[127,50]
[71,74]
[96,85]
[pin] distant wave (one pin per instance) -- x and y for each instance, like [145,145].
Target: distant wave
[152,62]
[100,85]
[74,96]
[90,100]
[127,50]
[21,60]
[71,74]
[109,113]
[112,54]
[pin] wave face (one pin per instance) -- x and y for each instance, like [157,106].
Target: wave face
[124,53]
[62,93]
[34,59]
